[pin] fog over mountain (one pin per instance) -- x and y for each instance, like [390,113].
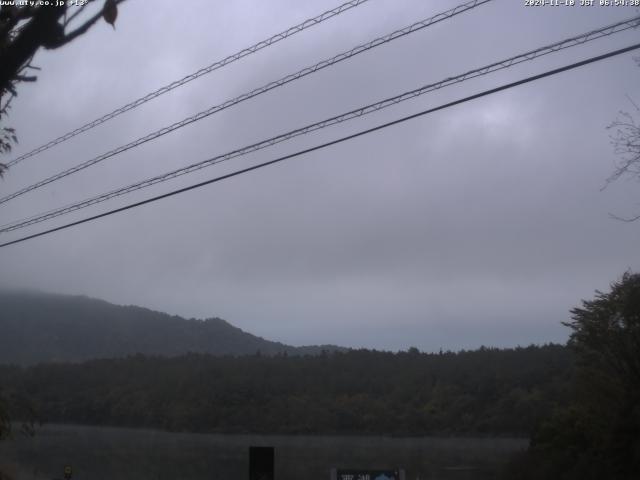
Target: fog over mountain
[39,327]
[479,224]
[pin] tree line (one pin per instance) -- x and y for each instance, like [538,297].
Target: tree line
[484,392]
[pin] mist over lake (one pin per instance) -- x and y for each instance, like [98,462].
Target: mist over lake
[98,453]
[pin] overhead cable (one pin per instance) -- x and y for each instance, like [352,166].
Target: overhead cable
[203,71]
[333,142]
[258,91]
[493,67]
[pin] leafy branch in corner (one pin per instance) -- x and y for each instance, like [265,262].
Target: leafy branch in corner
[26,29]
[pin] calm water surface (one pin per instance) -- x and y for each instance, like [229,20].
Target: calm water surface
[126,454]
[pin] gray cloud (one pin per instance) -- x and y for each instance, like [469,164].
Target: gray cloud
[481,224]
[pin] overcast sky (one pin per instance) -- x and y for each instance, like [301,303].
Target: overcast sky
[482,224]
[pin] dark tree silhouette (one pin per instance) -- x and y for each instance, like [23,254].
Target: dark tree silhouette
[606,337]
[26,29]
[23,31]
[598,434]
[606,333]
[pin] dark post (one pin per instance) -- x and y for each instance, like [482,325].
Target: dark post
[261,463]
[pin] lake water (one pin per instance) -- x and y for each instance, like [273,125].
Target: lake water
[126,454]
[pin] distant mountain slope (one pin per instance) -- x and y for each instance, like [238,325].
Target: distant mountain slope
[38,327]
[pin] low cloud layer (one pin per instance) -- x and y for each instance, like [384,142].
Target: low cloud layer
[480,224]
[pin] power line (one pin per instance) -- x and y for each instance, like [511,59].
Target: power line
[333,142]
[258,91]
[496,66]
[203,71]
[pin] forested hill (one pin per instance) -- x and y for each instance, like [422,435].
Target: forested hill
[38,327]
[482,392]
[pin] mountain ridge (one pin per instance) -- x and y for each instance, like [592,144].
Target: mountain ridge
[40,327]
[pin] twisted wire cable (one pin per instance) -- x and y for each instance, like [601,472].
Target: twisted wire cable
[321,146]
[500,65]
[258,91]
[203,71]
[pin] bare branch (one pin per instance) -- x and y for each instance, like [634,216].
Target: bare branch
[632,102]
[78,31]
[76,13]
[26,78]
[626,146]
[84,27]
[624,219]
[5,108]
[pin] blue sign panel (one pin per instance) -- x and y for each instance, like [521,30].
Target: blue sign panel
[368,475]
